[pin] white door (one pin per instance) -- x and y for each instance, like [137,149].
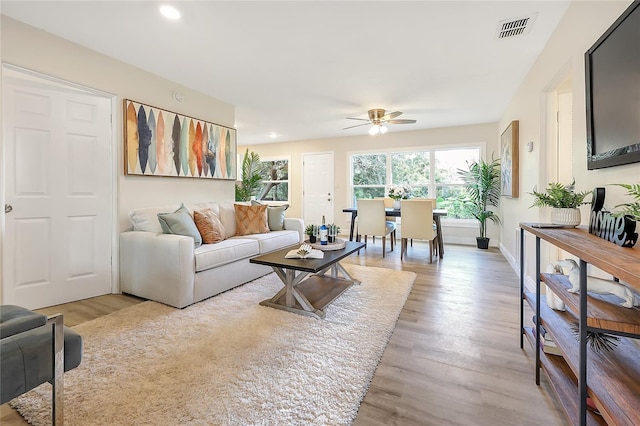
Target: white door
[58,186]
[318,191]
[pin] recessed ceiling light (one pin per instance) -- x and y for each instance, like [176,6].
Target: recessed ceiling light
[273,135]
[170,12]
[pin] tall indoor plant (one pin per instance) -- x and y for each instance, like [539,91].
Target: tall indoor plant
[481,191]
[251,176]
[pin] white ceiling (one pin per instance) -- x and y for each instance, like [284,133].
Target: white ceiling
[300,68]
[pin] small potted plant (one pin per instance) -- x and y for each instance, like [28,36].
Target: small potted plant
[481,191]
[399,192]
[334,230]
[564,202]
[310,230]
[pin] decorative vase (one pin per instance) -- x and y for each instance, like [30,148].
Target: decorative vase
[396,204]
[312,239]
[566,217]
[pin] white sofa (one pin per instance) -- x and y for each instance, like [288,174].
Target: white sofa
[168,269]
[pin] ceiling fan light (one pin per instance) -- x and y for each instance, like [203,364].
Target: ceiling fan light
[383,129]
[374,130]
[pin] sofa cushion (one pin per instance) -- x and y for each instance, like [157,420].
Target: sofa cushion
[146,219]
[209,226]
[274,240]
[251,219]
[211,255]
[180,222]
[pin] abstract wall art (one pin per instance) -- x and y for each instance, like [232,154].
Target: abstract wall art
[509,160]
[163,143]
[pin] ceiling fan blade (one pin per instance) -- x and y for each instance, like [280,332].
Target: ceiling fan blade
[357,125]
[361,119]
[391,116]
[401,121]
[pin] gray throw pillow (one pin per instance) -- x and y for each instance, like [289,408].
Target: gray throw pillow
[180,222]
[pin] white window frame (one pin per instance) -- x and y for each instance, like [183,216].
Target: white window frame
[432,186]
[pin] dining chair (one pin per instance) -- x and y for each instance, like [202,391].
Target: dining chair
[434,201]
[388,204]
[417,223]
[372,221]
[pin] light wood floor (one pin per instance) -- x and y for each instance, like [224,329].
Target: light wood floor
[454,358]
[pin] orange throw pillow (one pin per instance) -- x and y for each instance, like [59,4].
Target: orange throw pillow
[209,226]
[251,219]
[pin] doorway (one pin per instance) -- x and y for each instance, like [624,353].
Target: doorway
[57,190]
[317,187]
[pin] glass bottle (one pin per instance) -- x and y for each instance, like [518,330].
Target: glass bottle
[323,233]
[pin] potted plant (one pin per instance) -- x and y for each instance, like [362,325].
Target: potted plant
[311,231]
[564,202]
[399,192]
[334,230]
[481,190]
[251,176]
[631,209]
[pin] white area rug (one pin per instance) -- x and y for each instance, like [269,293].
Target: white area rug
[229,361]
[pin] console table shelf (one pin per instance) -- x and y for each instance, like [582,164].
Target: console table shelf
[610,379]
[603,311]
[564,384]
[614,377]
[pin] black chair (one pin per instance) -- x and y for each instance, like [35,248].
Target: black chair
[35,349]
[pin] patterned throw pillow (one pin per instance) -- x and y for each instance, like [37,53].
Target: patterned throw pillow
[209,226]
[275,215]
[251,219]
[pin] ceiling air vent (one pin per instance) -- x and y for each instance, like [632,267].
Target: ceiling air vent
[515,27]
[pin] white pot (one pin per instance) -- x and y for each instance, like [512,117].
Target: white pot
[566,217]
[396,204]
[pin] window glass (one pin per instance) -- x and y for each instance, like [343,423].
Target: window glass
[410,168]
[448,182]
[373,173]
[448,162]
[275,181]
[369,169]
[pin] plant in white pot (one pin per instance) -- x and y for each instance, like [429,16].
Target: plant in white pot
[481,191]
[564,202]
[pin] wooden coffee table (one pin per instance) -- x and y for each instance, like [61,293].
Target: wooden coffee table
[311,295]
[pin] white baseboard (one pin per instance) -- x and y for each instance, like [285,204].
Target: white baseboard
[529,283]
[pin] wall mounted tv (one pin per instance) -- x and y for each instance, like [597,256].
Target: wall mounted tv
[613,93]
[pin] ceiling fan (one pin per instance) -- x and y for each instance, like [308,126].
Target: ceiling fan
[378,119]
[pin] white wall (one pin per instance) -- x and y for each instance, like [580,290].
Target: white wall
[563,57]
[486,134]
[31,48]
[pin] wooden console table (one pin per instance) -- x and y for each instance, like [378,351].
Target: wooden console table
[610,379]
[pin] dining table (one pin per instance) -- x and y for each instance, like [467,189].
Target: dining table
[391,212]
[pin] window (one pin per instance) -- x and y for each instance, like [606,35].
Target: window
[431,174]
[275,180]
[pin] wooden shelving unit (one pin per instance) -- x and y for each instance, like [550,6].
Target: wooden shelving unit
[611,379]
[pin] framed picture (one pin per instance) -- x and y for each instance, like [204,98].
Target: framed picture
[509,160]
[163,143]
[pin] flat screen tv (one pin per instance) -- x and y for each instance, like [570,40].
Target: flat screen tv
[613,93]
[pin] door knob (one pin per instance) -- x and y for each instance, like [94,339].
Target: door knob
[8,208]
